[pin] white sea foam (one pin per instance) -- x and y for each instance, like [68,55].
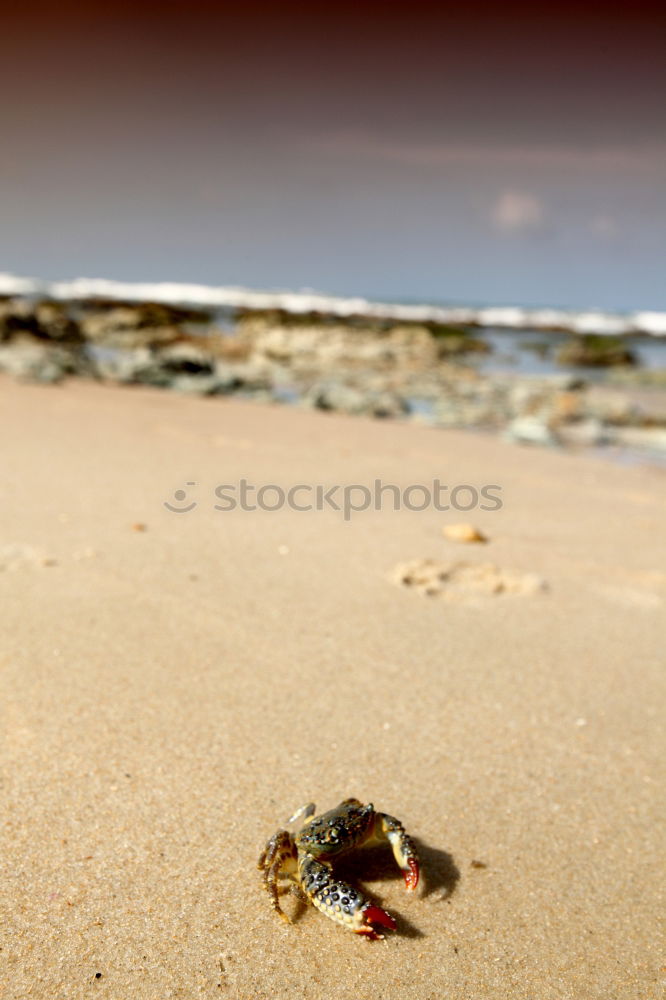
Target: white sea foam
[232,297]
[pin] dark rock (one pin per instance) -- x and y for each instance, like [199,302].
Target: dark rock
[147,315]
[122,327]
[453,340]
[347,399]
[185,358]
[137,324]
[33,360]
[595,351]
[49,321]
[159,367]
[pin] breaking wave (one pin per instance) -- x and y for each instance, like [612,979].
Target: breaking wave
[231,297]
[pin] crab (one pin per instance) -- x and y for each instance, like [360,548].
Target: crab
[306,858]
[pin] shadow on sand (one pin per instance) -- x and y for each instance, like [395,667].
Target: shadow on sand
[439,878]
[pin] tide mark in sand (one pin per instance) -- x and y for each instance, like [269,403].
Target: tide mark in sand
[464,582]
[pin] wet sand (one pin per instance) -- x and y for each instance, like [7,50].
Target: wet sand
[176,684]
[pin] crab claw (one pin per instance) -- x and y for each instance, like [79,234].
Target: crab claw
[412,876]
[375,915]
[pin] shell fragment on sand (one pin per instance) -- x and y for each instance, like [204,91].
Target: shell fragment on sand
[463,533]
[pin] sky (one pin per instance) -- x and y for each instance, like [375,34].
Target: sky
[467,153]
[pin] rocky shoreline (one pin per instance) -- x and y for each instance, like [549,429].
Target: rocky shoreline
[367,365]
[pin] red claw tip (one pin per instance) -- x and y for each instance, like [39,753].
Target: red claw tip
[412,876]
[375,915]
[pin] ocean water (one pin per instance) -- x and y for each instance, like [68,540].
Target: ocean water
[532,352]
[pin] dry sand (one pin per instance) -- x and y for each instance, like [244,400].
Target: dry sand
[171,695]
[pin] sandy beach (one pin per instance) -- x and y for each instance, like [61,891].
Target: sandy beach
[175,685]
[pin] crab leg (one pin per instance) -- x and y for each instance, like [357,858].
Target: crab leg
[340,901]
[304,813]
[276,861]
[404,851]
